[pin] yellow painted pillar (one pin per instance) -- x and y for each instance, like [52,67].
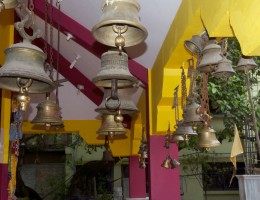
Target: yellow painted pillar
[7,37]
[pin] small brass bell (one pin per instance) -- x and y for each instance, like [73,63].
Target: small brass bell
[8,4]
[207,138]
[120,25]
[191,115]
[114,66]
[174,163]
[23,99]
[224,69]
[110,126]
[177,138]
[144,154]
[195,45]
[166,163]
[184,131]
[246,62]
[211,57]
[127,106]
[48,114]
[107,156]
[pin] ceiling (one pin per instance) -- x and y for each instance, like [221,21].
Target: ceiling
[78,19]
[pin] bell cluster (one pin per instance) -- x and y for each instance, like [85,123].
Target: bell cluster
[118,28]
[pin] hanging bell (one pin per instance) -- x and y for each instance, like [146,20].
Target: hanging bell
[110,126]
[246,62]
[195,45]
[177,138]
[120,23]
[144,154]
[207,138]
[191,115]
[107,105]
[114,66]
[166,163]
[184,131]
[224,69]
[174,163]
[107,156]
[211,57]
[25,61]
[23,99]
[48,114]
[8,4]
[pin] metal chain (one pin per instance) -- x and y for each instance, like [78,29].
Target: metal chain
[175,103]
[183,88]
[204,99]
[31,5]
[46,28]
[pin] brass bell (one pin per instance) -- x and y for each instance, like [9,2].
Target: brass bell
[195,45]
[120,23]
[144,154]
[184,131]
[107,156]
[166,163]
[110,126]
[107,105]
[207,138]
[174,163]
[8,4]
[114,66]
[191,115]
[211,57]
[48,114]
[177,138]
[224,69]
[25,61]
[246,62]
[23,99]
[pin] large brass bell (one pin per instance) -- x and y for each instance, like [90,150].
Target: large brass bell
[207,138]
[48,114]
[110,126]
[211,57]
[107,156]
[184,131]
[110,105]
[224,69]
[8,4]
[191,115]
[119,24]
[246,62]
[195,45]
[114,66]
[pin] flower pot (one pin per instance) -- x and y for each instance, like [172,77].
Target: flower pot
[249,187]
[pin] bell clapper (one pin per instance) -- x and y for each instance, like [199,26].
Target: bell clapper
[120,40]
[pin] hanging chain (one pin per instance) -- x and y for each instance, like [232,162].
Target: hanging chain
[45,50]
[175,103]
[183,88]
[224,46]
[31,5]
[205,99]
[191,75]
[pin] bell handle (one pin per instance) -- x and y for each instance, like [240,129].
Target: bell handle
[112,98]
[20,27]
[23,86]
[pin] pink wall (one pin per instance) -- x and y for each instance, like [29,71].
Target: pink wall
[137,180]
[164,183]
[3,181]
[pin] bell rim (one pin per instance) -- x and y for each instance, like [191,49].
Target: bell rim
[123,111]
[10,5]
[119,22]
[123,81]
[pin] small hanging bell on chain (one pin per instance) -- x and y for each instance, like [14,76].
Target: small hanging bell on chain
[207,138]
[184,131]
[191,115]
[166,163]
[195,45]
[224,69]
[119,24]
